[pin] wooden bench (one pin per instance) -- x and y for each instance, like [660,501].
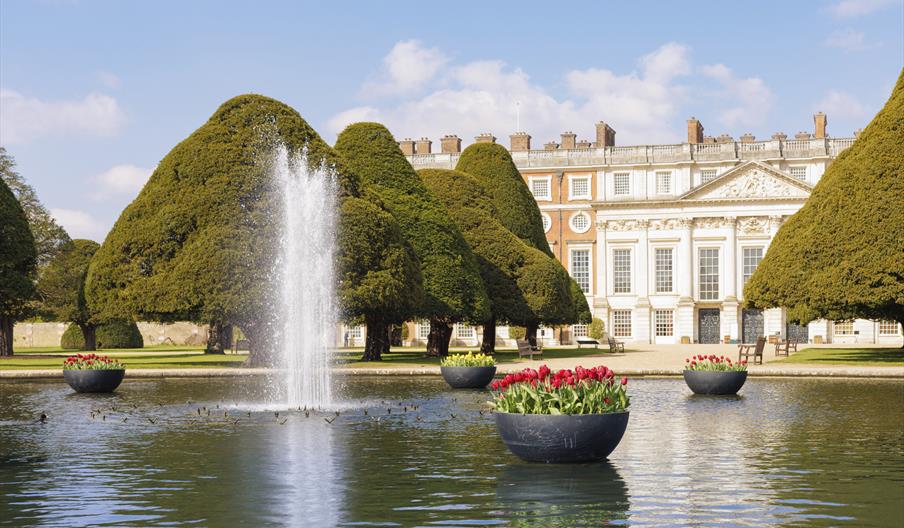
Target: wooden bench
[587,341]
[615,346]
[745,351]
[526,349]
[785,347]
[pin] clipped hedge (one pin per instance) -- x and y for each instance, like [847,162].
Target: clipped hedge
[115,334]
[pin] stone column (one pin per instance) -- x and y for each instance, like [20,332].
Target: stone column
[684,270]
[641,265]
[729,320]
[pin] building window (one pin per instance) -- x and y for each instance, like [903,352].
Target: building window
[799,172]
[355,332]
[621,323]
[580,188]
[463,331]
[751,258]
[707,175]
[621,270]
[844,328]
[888,328]
[540,187]
[423,331]
[547,222]
[622,183]
[580,268]
[664,182]
[579,330]
[662,321]
[580,222]
[663,270]
[709,274]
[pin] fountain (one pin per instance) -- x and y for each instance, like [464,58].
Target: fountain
[306,304]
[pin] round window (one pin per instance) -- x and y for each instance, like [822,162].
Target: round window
[580,222]
[547,222]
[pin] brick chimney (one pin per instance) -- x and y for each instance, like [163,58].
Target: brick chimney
[583,144]
[486,137]
[781,136]
[407,146]
[820,120]
[748,138]
[520,141]
[802,135]
[709,139]
[552,145]
[424,146]
[450,144]
[605,135]
[569,140]
[694,130]
[724,138]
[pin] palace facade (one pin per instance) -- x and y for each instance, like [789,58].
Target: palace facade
[662,238]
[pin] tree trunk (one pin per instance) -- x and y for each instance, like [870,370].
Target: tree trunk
[438,341]
[90,333]
[6,336]
[260,345]
[219,338]
[488,345]
[377,340]
[530,333]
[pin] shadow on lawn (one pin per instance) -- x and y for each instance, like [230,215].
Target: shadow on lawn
[863,355]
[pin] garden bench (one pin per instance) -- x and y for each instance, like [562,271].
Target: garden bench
[785,347]
[526,349]
[587,341]
[615,346]
[756,350]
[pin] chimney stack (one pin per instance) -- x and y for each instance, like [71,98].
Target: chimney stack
[724,138]
[694,130]
[569,140]
[424,146]
[583,144]
[709,139]
[552,145]
[820,120]
[802,135]
[605,135]
[450,144]
[486,137]
[781,136]
[520,141]
[407,146]
[748,138]
[857,133]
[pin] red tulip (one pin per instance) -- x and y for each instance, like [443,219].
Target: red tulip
[624,380]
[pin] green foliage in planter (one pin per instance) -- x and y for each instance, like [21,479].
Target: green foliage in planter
[468,360]
[596,329]
[453,290]
[17,264]
[113,334]
[841,256]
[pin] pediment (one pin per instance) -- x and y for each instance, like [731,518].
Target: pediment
[753,180]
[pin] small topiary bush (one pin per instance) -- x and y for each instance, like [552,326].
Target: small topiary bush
[597,328]
[115,334]
[517,332]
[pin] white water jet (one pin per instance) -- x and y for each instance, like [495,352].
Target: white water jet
[306,276]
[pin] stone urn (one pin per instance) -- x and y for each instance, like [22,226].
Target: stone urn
[468,377]
[561,438]
[715,382]
[94,380]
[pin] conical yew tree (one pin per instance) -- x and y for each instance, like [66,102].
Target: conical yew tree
[18,261]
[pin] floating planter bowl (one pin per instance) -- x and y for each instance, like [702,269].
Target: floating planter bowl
[714,382]
[468,377]
[562,438]
[94,380]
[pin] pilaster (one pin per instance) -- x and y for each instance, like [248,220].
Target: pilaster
[729,320]
[641,323]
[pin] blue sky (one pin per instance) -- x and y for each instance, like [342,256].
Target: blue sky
[94,94]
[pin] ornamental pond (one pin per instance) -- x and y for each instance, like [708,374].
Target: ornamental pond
[412,452]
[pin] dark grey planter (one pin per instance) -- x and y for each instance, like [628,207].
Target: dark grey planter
[94,380]
[468,377]
[562,438]
[714,382]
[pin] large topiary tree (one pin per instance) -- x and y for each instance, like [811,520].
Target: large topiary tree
[842,255]
[493,167]
[523,283]
[453,289]
[61,287]
[111,334]
[17,267]
[198,241]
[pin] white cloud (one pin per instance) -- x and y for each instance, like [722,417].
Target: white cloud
[841,105]
[482,96]
[121,180]
[25,119]
[855,8]
[110,80]
[80,224]
[748,100]
[406,68]
[847,40]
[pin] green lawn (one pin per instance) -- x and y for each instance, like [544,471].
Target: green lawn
[133,360]
[415,357]
[848,356]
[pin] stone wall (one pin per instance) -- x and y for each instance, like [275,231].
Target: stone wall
[28,335]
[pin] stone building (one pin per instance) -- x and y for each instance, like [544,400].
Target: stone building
[662,238]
